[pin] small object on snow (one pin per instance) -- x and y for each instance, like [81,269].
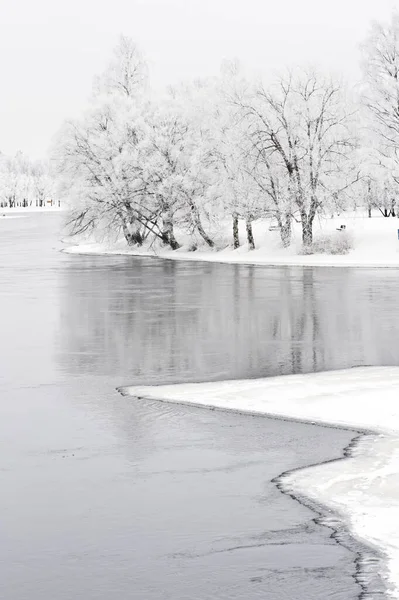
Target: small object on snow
[341,228]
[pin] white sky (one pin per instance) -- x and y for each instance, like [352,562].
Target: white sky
[50,49]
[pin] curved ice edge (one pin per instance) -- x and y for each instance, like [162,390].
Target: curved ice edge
[371,574]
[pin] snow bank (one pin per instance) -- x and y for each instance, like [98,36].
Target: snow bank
[376,244]
[363,489]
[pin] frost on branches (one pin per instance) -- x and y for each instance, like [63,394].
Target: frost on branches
[185,167]
[380,99]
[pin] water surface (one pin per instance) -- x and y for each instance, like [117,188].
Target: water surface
[105,497]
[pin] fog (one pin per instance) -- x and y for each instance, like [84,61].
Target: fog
[50,51]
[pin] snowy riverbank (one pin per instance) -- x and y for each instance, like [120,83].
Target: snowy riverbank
[375,244]
[363,489]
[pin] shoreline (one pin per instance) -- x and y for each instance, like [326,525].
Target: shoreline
[368,561]
[231,257]
[356,492]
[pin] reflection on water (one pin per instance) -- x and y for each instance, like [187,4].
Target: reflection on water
[152,321]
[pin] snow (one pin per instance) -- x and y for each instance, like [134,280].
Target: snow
[363,490]
[8,212]
[376,244]
[8,216]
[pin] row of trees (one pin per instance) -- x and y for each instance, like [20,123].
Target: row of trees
[24,182]
[230,148]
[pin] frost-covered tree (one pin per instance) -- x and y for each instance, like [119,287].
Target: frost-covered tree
[42,183]
[381,99]
[24,182]
[241,195]
[101,159]
[178,170]
[126,73]
[303,138]
[205,154]
[16,182]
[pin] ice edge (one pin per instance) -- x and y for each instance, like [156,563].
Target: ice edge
[370,562]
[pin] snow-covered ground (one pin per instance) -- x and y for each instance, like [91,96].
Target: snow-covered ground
[375,244]
[363,489]
[9,212]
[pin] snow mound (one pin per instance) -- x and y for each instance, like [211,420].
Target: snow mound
[362,489]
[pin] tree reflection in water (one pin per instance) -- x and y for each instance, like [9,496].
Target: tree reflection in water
[153,321]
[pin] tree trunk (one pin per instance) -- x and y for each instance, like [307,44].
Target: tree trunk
[250,234]
[369,212]
[236,237]
[285,232]
[127,234]
[137,238]
[168,236]
[202,231]
[307,232]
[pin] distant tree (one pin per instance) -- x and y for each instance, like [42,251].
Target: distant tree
[42,182]
[15,181]
[126,74]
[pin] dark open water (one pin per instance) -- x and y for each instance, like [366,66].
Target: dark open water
[103,497]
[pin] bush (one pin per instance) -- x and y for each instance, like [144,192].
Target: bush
[339,242]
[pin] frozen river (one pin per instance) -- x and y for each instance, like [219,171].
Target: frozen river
[104,497]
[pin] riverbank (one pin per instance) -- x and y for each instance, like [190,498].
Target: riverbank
[375,244]
[364,488]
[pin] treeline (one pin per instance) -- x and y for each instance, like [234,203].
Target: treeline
[230,148]
[24,182]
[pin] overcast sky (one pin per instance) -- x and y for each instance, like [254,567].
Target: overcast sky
[50,49]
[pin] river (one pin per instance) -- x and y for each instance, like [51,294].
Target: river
[105,497]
